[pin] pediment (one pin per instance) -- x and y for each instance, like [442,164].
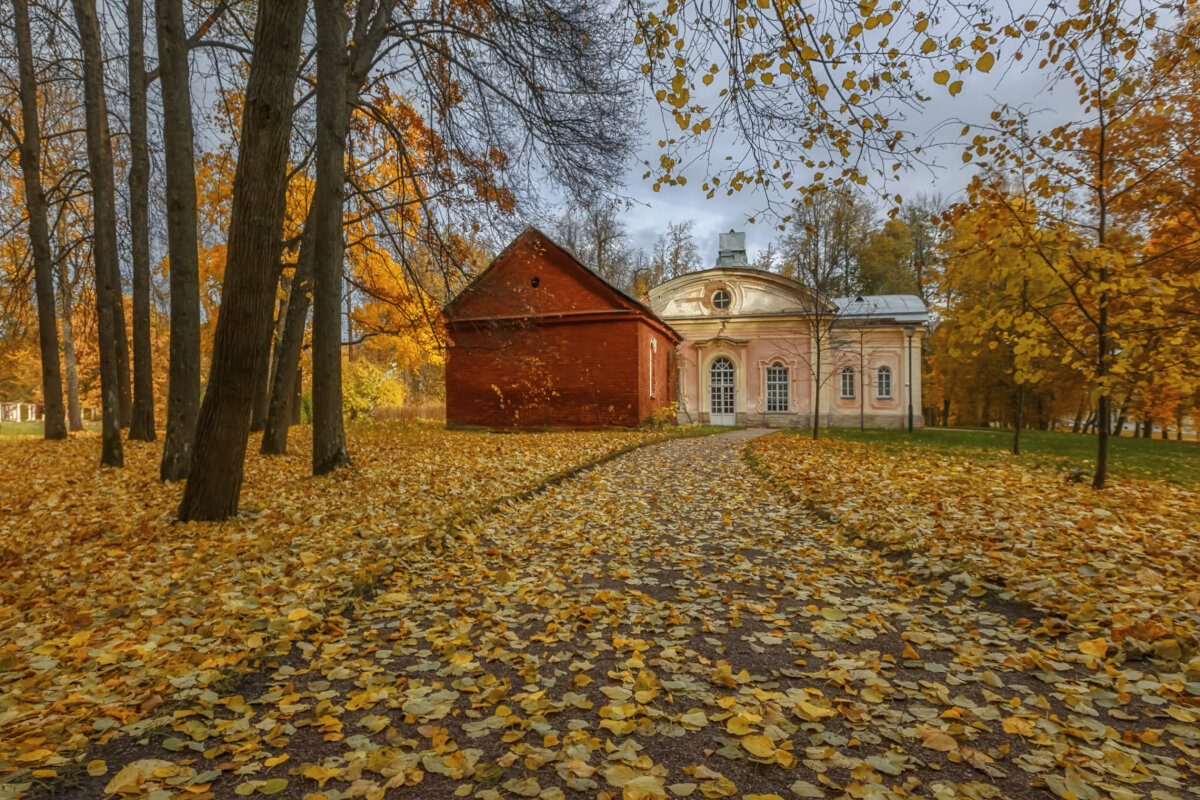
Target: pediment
[751,293]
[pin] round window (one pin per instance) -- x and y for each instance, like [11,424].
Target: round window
[721,299]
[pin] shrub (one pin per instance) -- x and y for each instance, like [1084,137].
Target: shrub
[665,417]
[366,386]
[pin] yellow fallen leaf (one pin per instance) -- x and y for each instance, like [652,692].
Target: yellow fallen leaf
[738,725]
[135,773]
[759,745]
[936,739]
[619,775]
[1017,726]
[813,713]
[644,787]
[319,774]
[1094,647]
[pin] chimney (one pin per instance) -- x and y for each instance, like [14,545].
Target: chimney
[732,249]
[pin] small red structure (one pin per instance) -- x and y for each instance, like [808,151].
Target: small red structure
[539,340]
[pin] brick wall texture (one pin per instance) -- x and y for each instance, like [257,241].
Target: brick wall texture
[539,341]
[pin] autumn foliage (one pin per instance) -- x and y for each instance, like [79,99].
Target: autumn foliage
[107,607]
[1122,566]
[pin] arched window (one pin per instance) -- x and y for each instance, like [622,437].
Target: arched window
[777,388]
[883,383]
[847,382]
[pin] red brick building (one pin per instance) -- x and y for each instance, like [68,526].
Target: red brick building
[538,340]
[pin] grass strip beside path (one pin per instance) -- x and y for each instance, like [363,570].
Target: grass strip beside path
[1146,459]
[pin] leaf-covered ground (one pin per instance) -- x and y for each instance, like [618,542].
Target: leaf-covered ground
[1122,565]
[109,610]
[669,625]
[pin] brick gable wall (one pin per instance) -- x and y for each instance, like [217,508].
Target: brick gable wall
[538,341]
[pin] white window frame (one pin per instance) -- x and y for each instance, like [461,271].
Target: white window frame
[778,391]
[847,373]
[725,378]
[883,380]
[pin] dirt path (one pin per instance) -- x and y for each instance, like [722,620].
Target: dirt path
[666,625]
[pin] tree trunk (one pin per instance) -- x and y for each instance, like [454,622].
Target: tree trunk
[1102,304]
[349,321]
[285,391]
[74,413]
[120,332]
[141,426]
[55,425]
[816,403]
[287,351]
[298,396]
[104,241]
[1020,420]
[248,294]
[262,389]
[329,438]
[183,379]
[1101,476]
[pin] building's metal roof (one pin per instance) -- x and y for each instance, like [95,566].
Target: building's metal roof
[900,307]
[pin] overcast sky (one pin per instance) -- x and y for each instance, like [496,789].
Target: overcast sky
[944,173]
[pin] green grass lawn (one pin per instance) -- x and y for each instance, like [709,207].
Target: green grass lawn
[1151,459]
[15,429]
[695,431]
[20,428]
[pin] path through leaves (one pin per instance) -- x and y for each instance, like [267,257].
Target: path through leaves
[667,625]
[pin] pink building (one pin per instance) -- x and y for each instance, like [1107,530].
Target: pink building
[759,348]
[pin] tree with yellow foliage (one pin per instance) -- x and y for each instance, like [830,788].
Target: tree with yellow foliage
[1115,299]
[998,295]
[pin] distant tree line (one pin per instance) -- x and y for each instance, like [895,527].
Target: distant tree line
[836,241]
